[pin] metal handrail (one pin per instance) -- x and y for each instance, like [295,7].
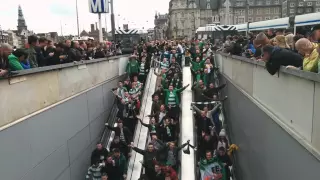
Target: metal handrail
[105,128]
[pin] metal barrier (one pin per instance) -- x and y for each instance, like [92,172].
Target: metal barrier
[141,132]
[188,163]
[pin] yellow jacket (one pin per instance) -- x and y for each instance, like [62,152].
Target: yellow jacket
[310,63]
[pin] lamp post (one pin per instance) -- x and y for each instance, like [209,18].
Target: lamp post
[247,16]
[99,7]
[112,21]
[77,18]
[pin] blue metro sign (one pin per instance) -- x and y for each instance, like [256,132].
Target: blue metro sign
[99,6]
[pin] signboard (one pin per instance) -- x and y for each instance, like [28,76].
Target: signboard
[99,6]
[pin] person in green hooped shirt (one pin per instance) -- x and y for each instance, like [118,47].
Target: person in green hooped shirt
[133,66]
[172,95]
[16,58]
[197,67]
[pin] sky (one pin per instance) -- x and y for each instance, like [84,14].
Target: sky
[60,15]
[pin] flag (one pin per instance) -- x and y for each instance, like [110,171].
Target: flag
[212,169]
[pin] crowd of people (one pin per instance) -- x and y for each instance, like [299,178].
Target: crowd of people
[279,48]
[160,158]
[39,52]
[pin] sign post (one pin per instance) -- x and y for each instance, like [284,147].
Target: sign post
[98,7]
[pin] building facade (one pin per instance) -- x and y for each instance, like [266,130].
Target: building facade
[160,26]
[185,16]
[4,37]
[256,10]
[13,39]
[298,7]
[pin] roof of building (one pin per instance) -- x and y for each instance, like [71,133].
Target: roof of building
[84,33]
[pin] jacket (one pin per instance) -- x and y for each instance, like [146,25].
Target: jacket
[176,92]
[14,63]
[310,63]
[196,66]
[96,155]
[198,93]
[121,164]
[126,132]
[32,56]
[282,57]
[132,66]
[148,157]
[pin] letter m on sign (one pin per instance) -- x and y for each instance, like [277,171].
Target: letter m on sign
[99,6]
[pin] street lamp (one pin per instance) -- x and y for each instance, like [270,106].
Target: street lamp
[118,21]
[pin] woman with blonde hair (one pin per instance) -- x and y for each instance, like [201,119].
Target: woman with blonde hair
[280,41]
[289,40]
[310,53]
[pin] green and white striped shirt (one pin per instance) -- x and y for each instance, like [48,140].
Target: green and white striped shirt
[142,69]
[164,65]
[172,99]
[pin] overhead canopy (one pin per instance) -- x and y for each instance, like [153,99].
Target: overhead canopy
[216,28]
[307,19]
[282,23]
[241,27]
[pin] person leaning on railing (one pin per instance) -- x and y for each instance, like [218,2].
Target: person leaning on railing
[5,51]
[275,57]
[18,60]
[310,53]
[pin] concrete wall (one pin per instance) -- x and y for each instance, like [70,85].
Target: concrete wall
[55,143]
[267,152]
[35,89]
[273,119]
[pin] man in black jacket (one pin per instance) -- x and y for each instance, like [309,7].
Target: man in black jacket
[121,131]
[149,157]
[99,154]
[276,57]
[212,90]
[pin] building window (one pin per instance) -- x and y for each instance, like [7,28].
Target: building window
[258,11]
[309,10]
[267,10]
[318,9]
[309,3]
[259,2]
[251,3]
[268,2]
[258,19]
[292,4]
[242,11]
[276,10]
[291,11]
[250,11]
[240,20]
[318,3]
[267,18]
[300,10]
[250,19]
[276,1]
[300,3]
[208,6]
